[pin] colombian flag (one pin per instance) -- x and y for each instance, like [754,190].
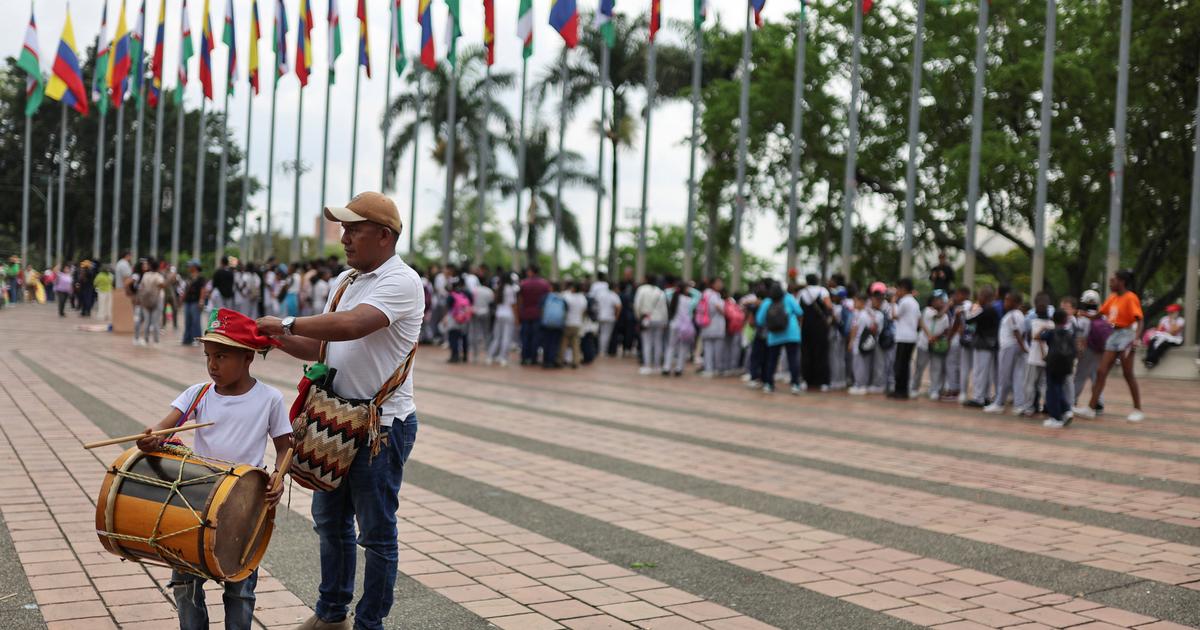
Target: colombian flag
[364,50]
[564,17]
[758,7]
[229,36]
[304,43]
[157,62]
[255,34]
[279,43]
[425,18]
[66,83]
[118,68]
[206,47]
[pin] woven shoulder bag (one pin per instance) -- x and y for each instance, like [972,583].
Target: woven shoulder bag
[329,430]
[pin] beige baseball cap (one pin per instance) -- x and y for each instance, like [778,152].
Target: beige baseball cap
[367,206]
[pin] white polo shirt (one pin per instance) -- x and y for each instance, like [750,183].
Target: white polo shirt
[364,364]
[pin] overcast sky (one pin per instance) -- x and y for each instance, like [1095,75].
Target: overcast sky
[671,129]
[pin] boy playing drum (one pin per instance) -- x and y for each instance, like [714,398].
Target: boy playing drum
[244,412]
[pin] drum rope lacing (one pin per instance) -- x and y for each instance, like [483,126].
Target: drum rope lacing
[173,490]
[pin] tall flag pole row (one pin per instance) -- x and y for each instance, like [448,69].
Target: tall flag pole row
[186,52]
[604,23]
[282,68]
[118,75]
[66,87]
[699,14]
[489,43]
[1113,259]
[136,85]
[798,106]
[395,52]
[1193,247]
[976,141]
[100,97]
[304,26]
[651,94]
[452,33]
[1039,223]
[207,44]
[334,51]
[525,34]
[851,178]
[564,17]
[363,65]
[254,33]
[156,101]
[754,7]
[914,127]
[229,37]
[427,63]
[30,63]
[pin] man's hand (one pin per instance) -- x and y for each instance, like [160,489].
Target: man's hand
[270,326]
[275,492]
[150,443]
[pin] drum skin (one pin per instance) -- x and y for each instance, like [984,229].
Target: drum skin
[228,503]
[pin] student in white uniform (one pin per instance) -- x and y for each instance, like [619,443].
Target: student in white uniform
[869,375]
[1010,377]
[933,343]
[1035,371]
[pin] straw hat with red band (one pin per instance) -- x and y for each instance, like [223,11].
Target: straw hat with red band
[231,328]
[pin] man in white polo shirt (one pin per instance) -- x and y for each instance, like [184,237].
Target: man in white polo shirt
[374,329]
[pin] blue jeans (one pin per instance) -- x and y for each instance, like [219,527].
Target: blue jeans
[370,493]
[791,352]
[193,613]
[1056,397]
[529,340]
[550,340]
[191,322]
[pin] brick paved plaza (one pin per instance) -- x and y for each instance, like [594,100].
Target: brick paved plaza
[598,498]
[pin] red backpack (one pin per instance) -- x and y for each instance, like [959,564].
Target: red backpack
[703,317]
[735,317]
[461,311]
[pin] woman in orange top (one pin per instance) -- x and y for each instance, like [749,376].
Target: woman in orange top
[1123,310]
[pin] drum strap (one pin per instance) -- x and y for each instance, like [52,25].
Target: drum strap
[195,403]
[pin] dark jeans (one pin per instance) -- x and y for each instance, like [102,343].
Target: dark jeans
[62,302]
[814,357]
[789,350]
[1056,397]
[370,493]
[193,613]
[191,324]
[903,367]
[1155,351]
[87,299]
[529,340]
[758,358]
[458,345]
[551,338]
[14,291]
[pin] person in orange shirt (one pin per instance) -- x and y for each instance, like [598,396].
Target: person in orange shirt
[1123,310]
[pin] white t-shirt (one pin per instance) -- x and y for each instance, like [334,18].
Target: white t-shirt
[364,364]
[598,287]
[907,319]
[241,423]
[576,305]
[863,320]
[320,291]
[1037,347]
[482,297]
[936,323]
[1011,324]
[508,300]
[607,302]
[811,294]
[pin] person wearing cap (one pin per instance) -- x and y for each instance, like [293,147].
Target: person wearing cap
[372,332]
[1091,347]
[1167,334]
[244,413]
[932,345]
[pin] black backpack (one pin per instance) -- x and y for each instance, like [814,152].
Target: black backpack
[777,317]
[887,336]
[1060,353]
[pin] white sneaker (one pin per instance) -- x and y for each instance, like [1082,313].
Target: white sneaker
[857,391]
[1084,412]
[754,384]
[487,361]
[803,387]
[962,397]
[874,390]
[503,362]
[1017,411]
[824,388]
[768,388]
[1136,416]
[993,408]
[746,378]
[644,371]
[797,390]
[707,374]
[933,396]
[1051,423]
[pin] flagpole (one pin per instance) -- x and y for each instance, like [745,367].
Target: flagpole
[177,181]
[605,55]
[49,220]
[651,90]
[62,179]
[798,106]
[1113,260]
[200,155]
[354,130]
[117,180]
[851,176]
[1039,226]
[483,166]
[244,241]
[387,96]
[269,246]
[98,213]
[412,201]
[562,133]
[689,242]
[325,159]
[976,142]
[156,185]
[294,251]
[25,192]
[739,206]
[1193,248]
[516,248]
[135,224]
[221,186]
[914,126]
[451,120]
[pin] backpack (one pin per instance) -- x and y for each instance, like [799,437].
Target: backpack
[1060,353]
[887,336]
[777,317]
[735,317]
[846,321]
[1098,332]
[554,311]
[461,310]
[148,291]
[867,342]
[703,316]
[685,331]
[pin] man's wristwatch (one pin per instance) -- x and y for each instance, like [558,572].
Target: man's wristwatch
[287,324]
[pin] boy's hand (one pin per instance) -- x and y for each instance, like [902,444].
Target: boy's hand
[150,443]
[275,492]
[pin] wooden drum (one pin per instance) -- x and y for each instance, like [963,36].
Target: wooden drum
[193,514]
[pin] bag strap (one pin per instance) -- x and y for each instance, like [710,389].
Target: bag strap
[337,297]
[195,403]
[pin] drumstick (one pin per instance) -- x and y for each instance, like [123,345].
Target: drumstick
[138,436]
[262,517]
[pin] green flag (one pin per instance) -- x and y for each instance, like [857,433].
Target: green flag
[35,84]
[398,45]
[99,83]
[701,13]
[335,38]
[453,30]
[525,27]
[186,52]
